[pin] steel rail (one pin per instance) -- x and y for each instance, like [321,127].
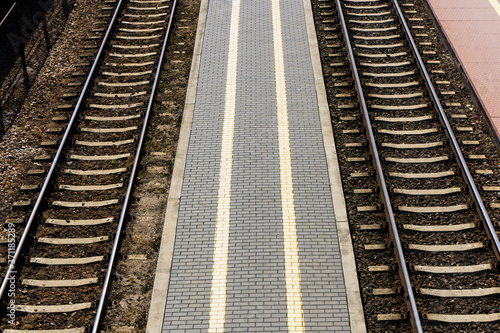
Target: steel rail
[48,178]
[398,248]
[128,194]
[488,225]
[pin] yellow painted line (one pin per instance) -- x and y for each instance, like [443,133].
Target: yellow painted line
[496,5]
[219,271]
[292,268]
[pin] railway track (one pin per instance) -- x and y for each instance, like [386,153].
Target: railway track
[63,260]
[415,170]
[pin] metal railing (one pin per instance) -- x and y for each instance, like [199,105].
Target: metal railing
[25,48]
[14,11]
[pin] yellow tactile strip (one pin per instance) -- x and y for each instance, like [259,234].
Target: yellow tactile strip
[190,308]
[293,291]
[219,272]
[496,6]
[295,316]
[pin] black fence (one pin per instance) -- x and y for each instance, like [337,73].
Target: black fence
[25,40]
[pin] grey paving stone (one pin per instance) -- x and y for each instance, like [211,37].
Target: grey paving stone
[256,290]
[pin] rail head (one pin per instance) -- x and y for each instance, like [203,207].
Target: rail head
[384,192]
[30,223]
[487,223]
[126,201]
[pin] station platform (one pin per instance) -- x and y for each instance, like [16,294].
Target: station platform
[256,236]
[473,31]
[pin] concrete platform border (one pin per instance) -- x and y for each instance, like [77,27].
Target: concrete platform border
[356,313]
[164,265]
[162,273]
[470,85]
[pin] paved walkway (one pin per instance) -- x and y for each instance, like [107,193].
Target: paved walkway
[473,30]
[256,244]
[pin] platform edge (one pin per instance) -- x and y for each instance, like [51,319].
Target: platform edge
[464,74]
[355,306]
[164,264]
